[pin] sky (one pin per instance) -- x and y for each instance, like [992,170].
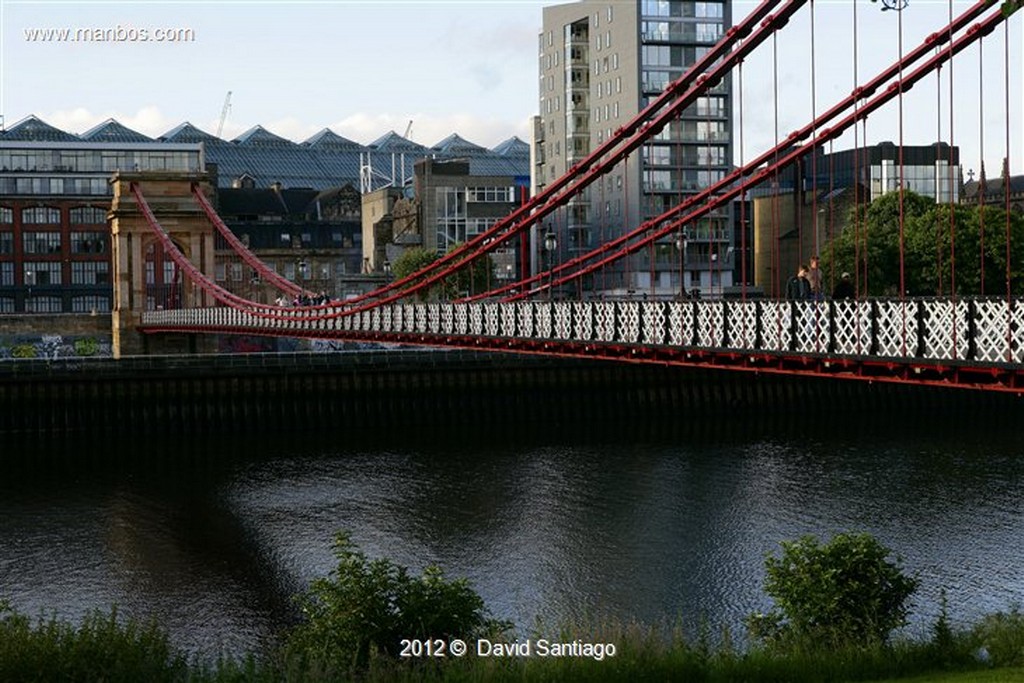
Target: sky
[434,67]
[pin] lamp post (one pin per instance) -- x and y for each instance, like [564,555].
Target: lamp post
[681,248]
[387,270]
[550,245]
[30,278]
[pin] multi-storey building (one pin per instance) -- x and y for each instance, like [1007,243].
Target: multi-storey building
[295,202]
[601,63]
[54,199]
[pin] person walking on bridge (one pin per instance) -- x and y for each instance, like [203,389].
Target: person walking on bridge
[798,288]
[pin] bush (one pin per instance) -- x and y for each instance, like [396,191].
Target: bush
[368,607]
[841,593]
[999,638]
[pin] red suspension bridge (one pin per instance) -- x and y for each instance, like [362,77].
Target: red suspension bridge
[957,339]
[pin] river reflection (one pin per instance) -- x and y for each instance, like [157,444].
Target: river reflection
[657,522]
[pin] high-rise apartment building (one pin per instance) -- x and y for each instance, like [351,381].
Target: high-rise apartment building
[601,63]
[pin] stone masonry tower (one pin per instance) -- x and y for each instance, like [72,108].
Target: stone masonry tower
[143,274]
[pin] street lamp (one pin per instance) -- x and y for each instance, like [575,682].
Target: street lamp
[387,270]
[30,278]
[681,248]
[550,245]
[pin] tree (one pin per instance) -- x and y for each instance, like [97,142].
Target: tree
[474,278]
[938,241]
[368,606]
[844,592]
[411,261]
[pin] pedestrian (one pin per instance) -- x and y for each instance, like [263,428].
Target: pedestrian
[798,288]
[844,288]
[814,278]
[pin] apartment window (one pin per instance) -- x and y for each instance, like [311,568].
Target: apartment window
[6,304]
[41,242]
[6,242]
[609,15]
[88,215]
[40,215]
[6,274]
[43,304]
[88,243]
[90,273]
[41,273]
[89,303]
[615,61]
[6,216]
[219,272]
[236,272]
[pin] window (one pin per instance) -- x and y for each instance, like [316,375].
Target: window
[6,216]
[88,215]
[43,304]
[6,242]
[90,273]
[90,303]
[88,243]
[219,272]
[6,304]
[41,242]
[6,274]
[41,273]
[40,215]
[236,272]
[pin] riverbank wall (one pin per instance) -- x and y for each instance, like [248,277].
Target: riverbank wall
[411,389]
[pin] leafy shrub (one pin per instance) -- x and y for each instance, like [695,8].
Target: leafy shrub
[368,607]
[1000,637]
[842,593]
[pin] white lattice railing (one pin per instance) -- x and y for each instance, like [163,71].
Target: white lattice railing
[989,331]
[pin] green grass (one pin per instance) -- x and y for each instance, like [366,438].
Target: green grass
[108,647]
[1014,675]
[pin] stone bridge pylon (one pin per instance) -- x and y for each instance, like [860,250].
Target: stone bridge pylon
[145,278]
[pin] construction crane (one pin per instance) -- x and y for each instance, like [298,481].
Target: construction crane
[408,130]
[224,113]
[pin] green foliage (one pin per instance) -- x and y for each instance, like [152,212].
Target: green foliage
[102,648]
[942,246]
[24,351]
[86,347]
[367,607]
[1000,637]
[842,593]
[474,278]
[412,261]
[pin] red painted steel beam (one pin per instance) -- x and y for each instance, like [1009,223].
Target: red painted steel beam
[759,25]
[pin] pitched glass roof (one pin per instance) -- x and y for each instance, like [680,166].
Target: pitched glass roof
[328,139]
[393,142]
[260,136]
[32,129]
[513,147]
[323,161]
[457,146]
[112,131]
[186,132]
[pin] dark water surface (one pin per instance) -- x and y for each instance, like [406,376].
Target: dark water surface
[649,522]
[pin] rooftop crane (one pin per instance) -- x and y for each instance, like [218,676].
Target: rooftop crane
[224,113]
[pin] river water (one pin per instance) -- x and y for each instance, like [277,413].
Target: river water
[653,523]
